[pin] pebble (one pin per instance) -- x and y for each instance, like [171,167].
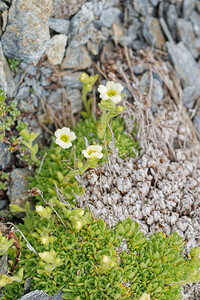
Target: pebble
[3,204]
[157,90]
[196,121]
[81,27]
[76,58]
[6,77]
[71,80]
[27,33]
[18,191]
[59,25]
[5,156]
[195,20]
[172,16]
[56,50]
[188,7]
[23,93]
[152,32]
[186,35]
[143,7]
[110,16]
[181,57]
[189,96]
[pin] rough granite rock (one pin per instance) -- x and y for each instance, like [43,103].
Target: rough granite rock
[27,33]
[5,156]
[18,193]
[56,50]
[143,7]
[4,265]
[76,58]
[6,78]
[36,295]
[181,58]
[65,8]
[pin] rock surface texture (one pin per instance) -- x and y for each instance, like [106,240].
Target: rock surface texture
[65,8]
[27,32]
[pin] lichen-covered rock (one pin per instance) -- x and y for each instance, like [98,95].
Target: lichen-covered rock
[27,34]
[6,78]
[65,8]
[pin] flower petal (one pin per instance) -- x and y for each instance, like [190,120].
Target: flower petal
[118,87]
[104,96]
[102,89]
[116,99]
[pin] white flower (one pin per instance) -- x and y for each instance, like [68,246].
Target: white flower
[145,297]
[106,259]
[111,91]
[64,137]
[93,152]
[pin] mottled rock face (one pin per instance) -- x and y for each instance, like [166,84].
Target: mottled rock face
[6,78]
[65,8]
[27,33]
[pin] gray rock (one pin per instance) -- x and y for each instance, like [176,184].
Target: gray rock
[5,156]
[186,35]
[189,96]
[4,265]
[23,93]
[155,2]
[71,80]
[110,16]
[195,19]
[185,65]
[76,58]
[27,33]
[18,192]
[143,7]
[93,47]
[157,90]
[152,32]
[26,107]
[6,78]
[138,44]
[59,25]
[196,121]
[36,295]
[138,69]
[65,9]
[172,16]
[133,29]
[74,96]
[81,28]
[188,7]
[3,204]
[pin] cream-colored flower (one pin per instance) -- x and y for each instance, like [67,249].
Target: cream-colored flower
[64,137]
[93,152]
[106,259]
[111,91]
[145,297]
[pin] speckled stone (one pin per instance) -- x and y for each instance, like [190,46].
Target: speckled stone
[27,33]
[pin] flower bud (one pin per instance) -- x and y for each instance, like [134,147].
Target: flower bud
[84,78]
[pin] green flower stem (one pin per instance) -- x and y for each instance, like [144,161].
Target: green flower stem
[89,164]
[86,103]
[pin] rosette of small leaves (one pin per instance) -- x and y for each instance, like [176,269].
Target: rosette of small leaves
[57,162]
[9,114]
[84,263]
[4,178]
[13,64]
[156,266]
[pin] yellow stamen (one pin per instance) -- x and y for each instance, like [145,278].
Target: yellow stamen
[111,93]
[64,138]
